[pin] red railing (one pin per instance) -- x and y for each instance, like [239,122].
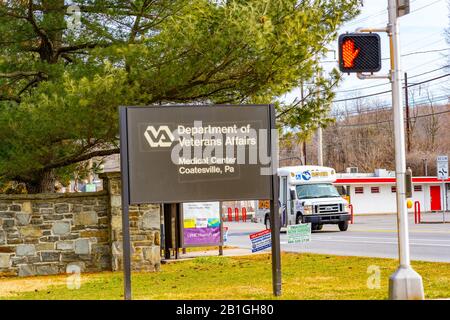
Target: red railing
[236,214]
[230,214]
[244,214]
[350,206]
[417,216]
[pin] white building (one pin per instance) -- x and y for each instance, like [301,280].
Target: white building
[376,192]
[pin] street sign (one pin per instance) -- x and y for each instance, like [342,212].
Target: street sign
[261,240]
[359,52]
[442,167]
[299,233]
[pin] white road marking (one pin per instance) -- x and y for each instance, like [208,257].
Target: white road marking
[382,242]
[376,238]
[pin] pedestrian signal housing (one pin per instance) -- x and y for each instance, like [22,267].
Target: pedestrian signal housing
[359,52]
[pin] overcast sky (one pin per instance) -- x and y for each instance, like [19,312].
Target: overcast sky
[421,30]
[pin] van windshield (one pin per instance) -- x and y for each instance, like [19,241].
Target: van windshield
[319,190]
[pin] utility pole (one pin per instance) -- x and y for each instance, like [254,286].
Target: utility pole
[408,124]
[404,283]
[319,130]
[302,97]
[425,167]
[319,146]
[304,153]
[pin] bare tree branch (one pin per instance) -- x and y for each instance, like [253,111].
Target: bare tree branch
[79,158]
[22,74]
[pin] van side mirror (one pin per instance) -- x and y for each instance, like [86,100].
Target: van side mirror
[292,194]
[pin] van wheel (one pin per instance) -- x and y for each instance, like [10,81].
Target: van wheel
[298,220]
[343,225]
[267,222]
[319,227]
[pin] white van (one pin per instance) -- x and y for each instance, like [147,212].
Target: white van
[307,195]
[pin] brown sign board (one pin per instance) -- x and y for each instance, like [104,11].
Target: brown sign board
[174,154]
[197,153]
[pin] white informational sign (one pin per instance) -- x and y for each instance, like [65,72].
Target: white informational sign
[442,167]
[299,233]
[201,223]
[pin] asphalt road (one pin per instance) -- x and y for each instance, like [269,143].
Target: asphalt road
[369,236]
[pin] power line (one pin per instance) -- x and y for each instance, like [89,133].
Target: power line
[428,51]
[388,83]
[388,91]
[403,55]
[376,14]
[425,6]
[389,106]
[386,121]
[421,52]
[419,40]
[364,96]
[428,72]
[379,13]
[420,66]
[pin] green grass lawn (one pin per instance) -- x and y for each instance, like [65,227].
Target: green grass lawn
[304,276]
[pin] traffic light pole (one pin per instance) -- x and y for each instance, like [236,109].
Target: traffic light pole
[404,283]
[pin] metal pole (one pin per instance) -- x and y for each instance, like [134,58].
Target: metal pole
[274,214]
[408,125]
[126,244]
[319,147]
[443,201]
[302,97]
[319,134]
[221,230]
[405,283]
[167,230]
[175,214]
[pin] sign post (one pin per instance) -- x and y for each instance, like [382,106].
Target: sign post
[125,204]
[184,154]
[442,174]
[404,283]
[361,55]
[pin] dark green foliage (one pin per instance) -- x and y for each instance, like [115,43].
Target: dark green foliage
[61,82]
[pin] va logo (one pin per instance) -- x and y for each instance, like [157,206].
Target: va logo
[162,137]
[306,175]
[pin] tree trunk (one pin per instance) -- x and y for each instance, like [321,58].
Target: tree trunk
[43,183]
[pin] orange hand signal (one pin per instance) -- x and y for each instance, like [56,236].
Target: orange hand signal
[349,53]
